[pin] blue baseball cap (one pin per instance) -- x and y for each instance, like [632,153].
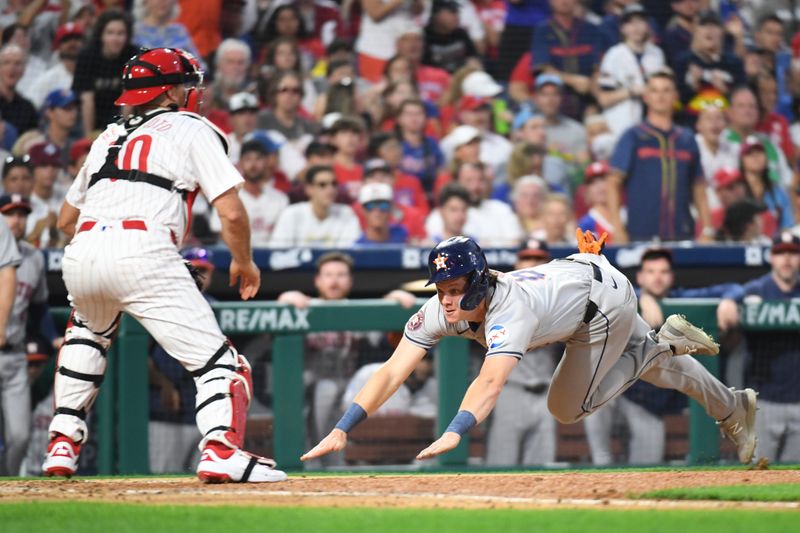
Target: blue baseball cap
[199,257]
[548,79]
[60,98]
[260,141]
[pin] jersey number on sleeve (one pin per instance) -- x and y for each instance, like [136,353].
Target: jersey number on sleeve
[526,275]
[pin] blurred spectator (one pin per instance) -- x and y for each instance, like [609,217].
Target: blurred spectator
[710,125]
[625,68]
[283,54]
[447,45]
[347,135]
[318,222]
[340,96]
[773,124]
[77,156]
[407,189]
[17,176]
[566,137]
[558,220]
[531,129]
[67,43]
[598,134]
[743,116]
[15,108]
[242,113]
[421,154]
[382,23]
[596,191]
[462,145]
[405,215]
[521,20]
[284,112]
[706,70]
[678,34]
[776,60]
[495,149]
[377,202]
[492,14]
[321,18]
[527,197]
[231,72]
[570,48]
[97,80]
[491,222]
[644,164]
[760,187]
[47,196]
[432,81]
[454,202]
[172,432]
[34,66]
[60,111]
[262,201]
[157,27]
[742,223]
[732,189]
[286,21]
[526,435]
[772,362]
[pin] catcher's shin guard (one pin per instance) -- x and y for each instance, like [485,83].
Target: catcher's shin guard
[224,390]
[80,368]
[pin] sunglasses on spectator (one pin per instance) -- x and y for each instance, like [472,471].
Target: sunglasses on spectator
[325,184]
[292,90]
[383,205]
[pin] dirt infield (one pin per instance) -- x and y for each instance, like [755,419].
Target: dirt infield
[523,490]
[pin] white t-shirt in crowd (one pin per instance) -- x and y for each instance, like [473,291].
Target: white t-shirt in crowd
[492,224]
[299,226]
[263,211]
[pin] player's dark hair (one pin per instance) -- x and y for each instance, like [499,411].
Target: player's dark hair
[317,169]
[454,190]
[654,254]
[335,257]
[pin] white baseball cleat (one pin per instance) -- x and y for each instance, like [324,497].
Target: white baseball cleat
[220,464]
[685,338]
[62,457]
[740,426]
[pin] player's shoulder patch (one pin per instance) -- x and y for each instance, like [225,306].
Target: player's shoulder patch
[416,320]
[496,336]
[220,134]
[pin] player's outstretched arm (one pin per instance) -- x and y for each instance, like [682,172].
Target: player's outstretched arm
[375,392]
[236,234]
[478,402]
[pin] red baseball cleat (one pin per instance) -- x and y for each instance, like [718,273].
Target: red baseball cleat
[62,457]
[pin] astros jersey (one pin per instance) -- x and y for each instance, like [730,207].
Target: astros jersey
[31,288]
[526,309]
[179,146]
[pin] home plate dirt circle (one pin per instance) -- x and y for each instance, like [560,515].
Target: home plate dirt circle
[518,490]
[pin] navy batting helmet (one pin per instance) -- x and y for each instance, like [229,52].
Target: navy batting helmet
[457,257]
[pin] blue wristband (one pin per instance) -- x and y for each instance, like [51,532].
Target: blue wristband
[354,415]
[462,422]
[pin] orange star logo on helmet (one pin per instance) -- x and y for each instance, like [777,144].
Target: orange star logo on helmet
[440,262]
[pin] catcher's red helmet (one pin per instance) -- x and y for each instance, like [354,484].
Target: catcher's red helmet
[153,72]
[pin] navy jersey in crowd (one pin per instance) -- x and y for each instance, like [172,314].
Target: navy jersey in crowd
[422,161]
[773,367]
[659,168]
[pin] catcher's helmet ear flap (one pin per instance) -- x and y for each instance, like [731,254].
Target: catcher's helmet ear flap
[457,257]
[151,73]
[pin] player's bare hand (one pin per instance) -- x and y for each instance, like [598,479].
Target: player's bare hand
[335,441]
[249,277]
[404,298]
[445,443]
[170,398]
[727,314]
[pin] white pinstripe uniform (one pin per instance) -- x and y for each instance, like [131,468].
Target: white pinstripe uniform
[124,257]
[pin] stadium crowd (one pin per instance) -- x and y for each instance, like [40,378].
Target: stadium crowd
[374,122]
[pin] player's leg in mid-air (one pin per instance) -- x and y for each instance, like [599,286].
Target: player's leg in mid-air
[618,347]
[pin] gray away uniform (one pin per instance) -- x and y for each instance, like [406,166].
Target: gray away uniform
[16,398]
[589,305]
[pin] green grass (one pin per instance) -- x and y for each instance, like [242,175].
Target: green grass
[779,492]
[87,517]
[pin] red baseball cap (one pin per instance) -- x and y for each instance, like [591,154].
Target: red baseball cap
[471,103]
[726,176]
[65,31]
[45,154]
[786,242]
[752,142]
[79,148]
[598,169]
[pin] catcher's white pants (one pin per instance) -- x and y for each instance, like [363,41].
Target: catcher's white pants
[108,270]
[606,356]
